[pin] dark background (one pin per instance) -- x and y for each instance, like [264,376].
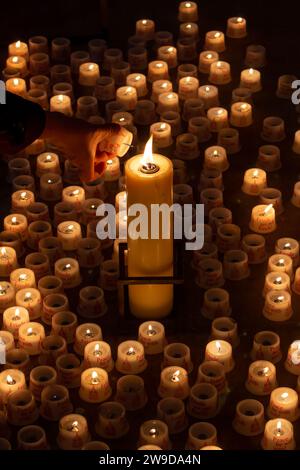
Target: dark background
[269,22]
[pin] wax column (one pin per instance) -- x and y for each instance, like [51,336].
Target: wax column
[149,181]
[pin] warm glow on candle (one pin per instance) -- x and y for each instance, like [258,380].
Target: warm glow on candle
[91,67]
[29,331]
[287,246]
[207,89]
[284,395]
[15,59]
[175,376]
[16,81]
[255,174]
[144,22]
[188,5]
[23,195]
[170,49]
[130,351]
[209,56]
[278,431]
[18,44]
[251,71]
[27,297]
[217,35]
[159,65]
[239,19]
[74,426]
[219,64]
[60,98]
[14,220]
[188,26]
[267,209]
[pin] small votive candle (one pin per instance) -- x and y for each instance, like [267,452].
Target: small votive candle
[168,101]
[212,372]
[220,73]
[98,354]
[249,418]
[31,335]
[218,118]
[18,48]
[296,143]
[55,402]
[138,58]
[203,401]
[215,41]
[225,328]
[276,281]
[155,432]
[61,104]
[278,305]
[16,223]
[73,432]
[266,346]
[88,74]
[69,234]
[16,86]
[220,351]
[250,78]
[177,354]
[18,64]
[7,295]
[263,219]
[47,162]
[255,180]
[241,114]
[13,318]
[200,435]
[30,299]
[22,278]
[95,386]
[188,11]
[278,435]
[51,348]
[236,27]
[51,187]
[64,324]
[209,94]
[127,97]
[20,200]
[40,377]
[67,269]
[296,195]
[139,82]
[285,86]
[281,263]
[69,368]
[200,127]
[169,55]
[172,411]
[284,404]
[145,29]
[215,158]
[261,378]
[255,56]
[11,380]
[174,383]
[6,341]
[273,129]
[269,158]
[292,362]
[188,88]
[216,303]
[206,58]
[157,70]
[131,392]
[131,358]
[85,334]
[21,408]
[112,422]
[161,132]
[289,247]
[152,336]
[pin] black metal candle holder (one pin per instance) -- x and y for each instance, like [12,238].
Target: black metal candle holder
[177,279]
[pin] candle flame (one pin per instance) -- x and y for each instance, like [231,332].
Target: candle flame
[144,22]
[217,34]
[265,370]
[29,331]
[279,426]
[170,49]
[137,78]
[148,154]
[94,376]
[9,380]
[255,174]
[152,432]
[219,63]
[278,280]
[188,5]
[209,56]
[109,162]
[130,350]
[164,85]
[284,395]
[75,192]
[49,157]
[280,298]
[17,313]
[175,376]
[3,251]
[188,26]
[122,119]
[68,266]
[287,246]
[27,296]
[14,220]
[60,98]
[91,66]
[23,277]
[88,332]
[268,208]
[15,81]
[18,44]
[281,262]
[215,153]
[170,96]
[243,107]
[15,59]
[75,426]
[218,346]
[207,89]
[159,65]
[70,227]
[239,19]
[128,90]
[23,195]
[97,347]
[251,71]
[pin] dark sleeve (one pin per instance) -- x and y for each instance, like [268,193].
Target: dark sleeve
[21,122]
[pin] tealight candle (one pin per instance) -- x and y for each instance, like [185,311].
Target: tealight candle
[155,432]
[174,383]
[38,263]
[157,70]
[266,346]
[189,30]
[37,231]
[105,89]
[215,41]
[37,211]
[292,362]
[145,113]
[119,73]
[8,261]
[60,73]
[30,337]
[163,38]
[188,11]
[289,247]
[255,180]
[95,386]
[250,78]
[85,334]
[209,94]
[39,63]
[88,74]
[219,73]
[50,285]
[206,58]
[16,223]
[249,418]
[47,162]
[215,158]
[20,200]
[69,233]
[55,402]
[17,64]
[41,377]
[261,378]
[64,324]
[112,422]
[13,318]
[216,303]
[278,305]
[218,118]
[168,54]
[278,435]
[67,269]
[236,27]
[11,380]
[18,48]
[241,114]
[73,432]
[283,404]
[269,158]
[61,104]
[145,29]
[188,88]
[7,295]
[139,82]
[131,358]
[168,102]
[98,354]
[69,369]
[281,263]
[30,298]
[21,408]
[212,372]
[225,328]
[263,219]
[127,97]
[161,132]
[220,351]
[276,281]
[18,359]
[16,86]
[41,82]
[97,47]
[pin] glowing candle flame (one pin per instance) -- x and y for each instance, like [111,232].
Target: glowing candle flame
[279,428]
[284,395]
[60,98]
[152,432]
[215,153]
[29,331]
[170,49]
[219,64]
[217,34]
[264,371]
[3,252]
[207,89]
[74,426]
[75,192]
[91,67]
[23,195]
[23,277]
[239,19]
[15,59]
[48,159]
[209,56]
[251,71]
[14,220]
[188,26]
[280,262]
[144,22]
[10,380]
[137,78]
[268,208]
[287,246]
[162,126]
[243,107]
[164,85]
[280,298]
[218,346]
[97,351]
[148,154]
[188,5]
[18,44]
[122,119]
[278,280]
[15,81]
[67,266]
[175,376]
[27,297]
[70,228]
[130,351]
[128,90]
[159,65]
[109,162]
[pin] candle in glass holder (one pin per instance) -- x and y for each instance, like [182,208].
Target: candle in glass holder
[219,73]
[284,404]
[215,41]
[13,318]
[61,104]
[16,223]
[255,180]
[206,58]
[139,82]
[73,432]
[152,336]
[88,74]
[168,54]
[263,219]
[278,306]
[7,295]
[95,386]
[31,336]
[236,27]
[16,86]
[261,378]
[250,78]
[281,263]
[158,70]
[220,351]
[8,261]
[174,383]
[127,97]
[278,435]
[289,247]
[131,358]
[11,380]
[218,118]
[241,114]
[18,64]
[98,354]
